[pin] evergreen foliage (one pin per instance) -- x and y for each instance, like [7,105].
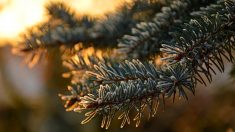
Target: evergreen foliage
[191,38]
[65,28]
[145,39]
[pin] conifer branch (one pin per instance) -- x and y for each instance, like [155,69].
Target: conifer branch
[134,85]
[96,32]
[60,11]
[131,85]
[205,40]
[145,39]
[81,62]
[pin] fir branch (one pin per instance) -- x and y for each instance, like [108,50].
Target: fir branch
[146,37]
[96,32]
[108,74]
[132,85]
[60,11]
[76,92]
[205,40]
[177,78]
[81,83]
[85,60]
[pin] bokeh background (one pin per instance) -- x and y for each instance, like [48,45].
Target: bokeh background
[29,99]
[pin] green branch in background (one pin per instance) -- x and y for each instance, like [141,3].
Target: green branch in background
[65,29]
[59,11]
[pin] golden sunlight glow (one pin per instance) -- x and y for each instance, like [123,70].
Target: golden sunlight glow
[17,15]
[89,52]
[95,7]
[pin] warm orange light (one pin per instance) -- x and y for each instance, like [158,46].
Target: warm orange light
[17,15]
[95,7]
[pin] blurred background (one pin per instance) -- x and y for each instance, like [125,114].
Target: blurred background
[29,99]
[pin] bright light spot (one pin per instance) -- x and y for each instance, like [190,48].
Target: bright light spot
[95,7]
[17,15]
